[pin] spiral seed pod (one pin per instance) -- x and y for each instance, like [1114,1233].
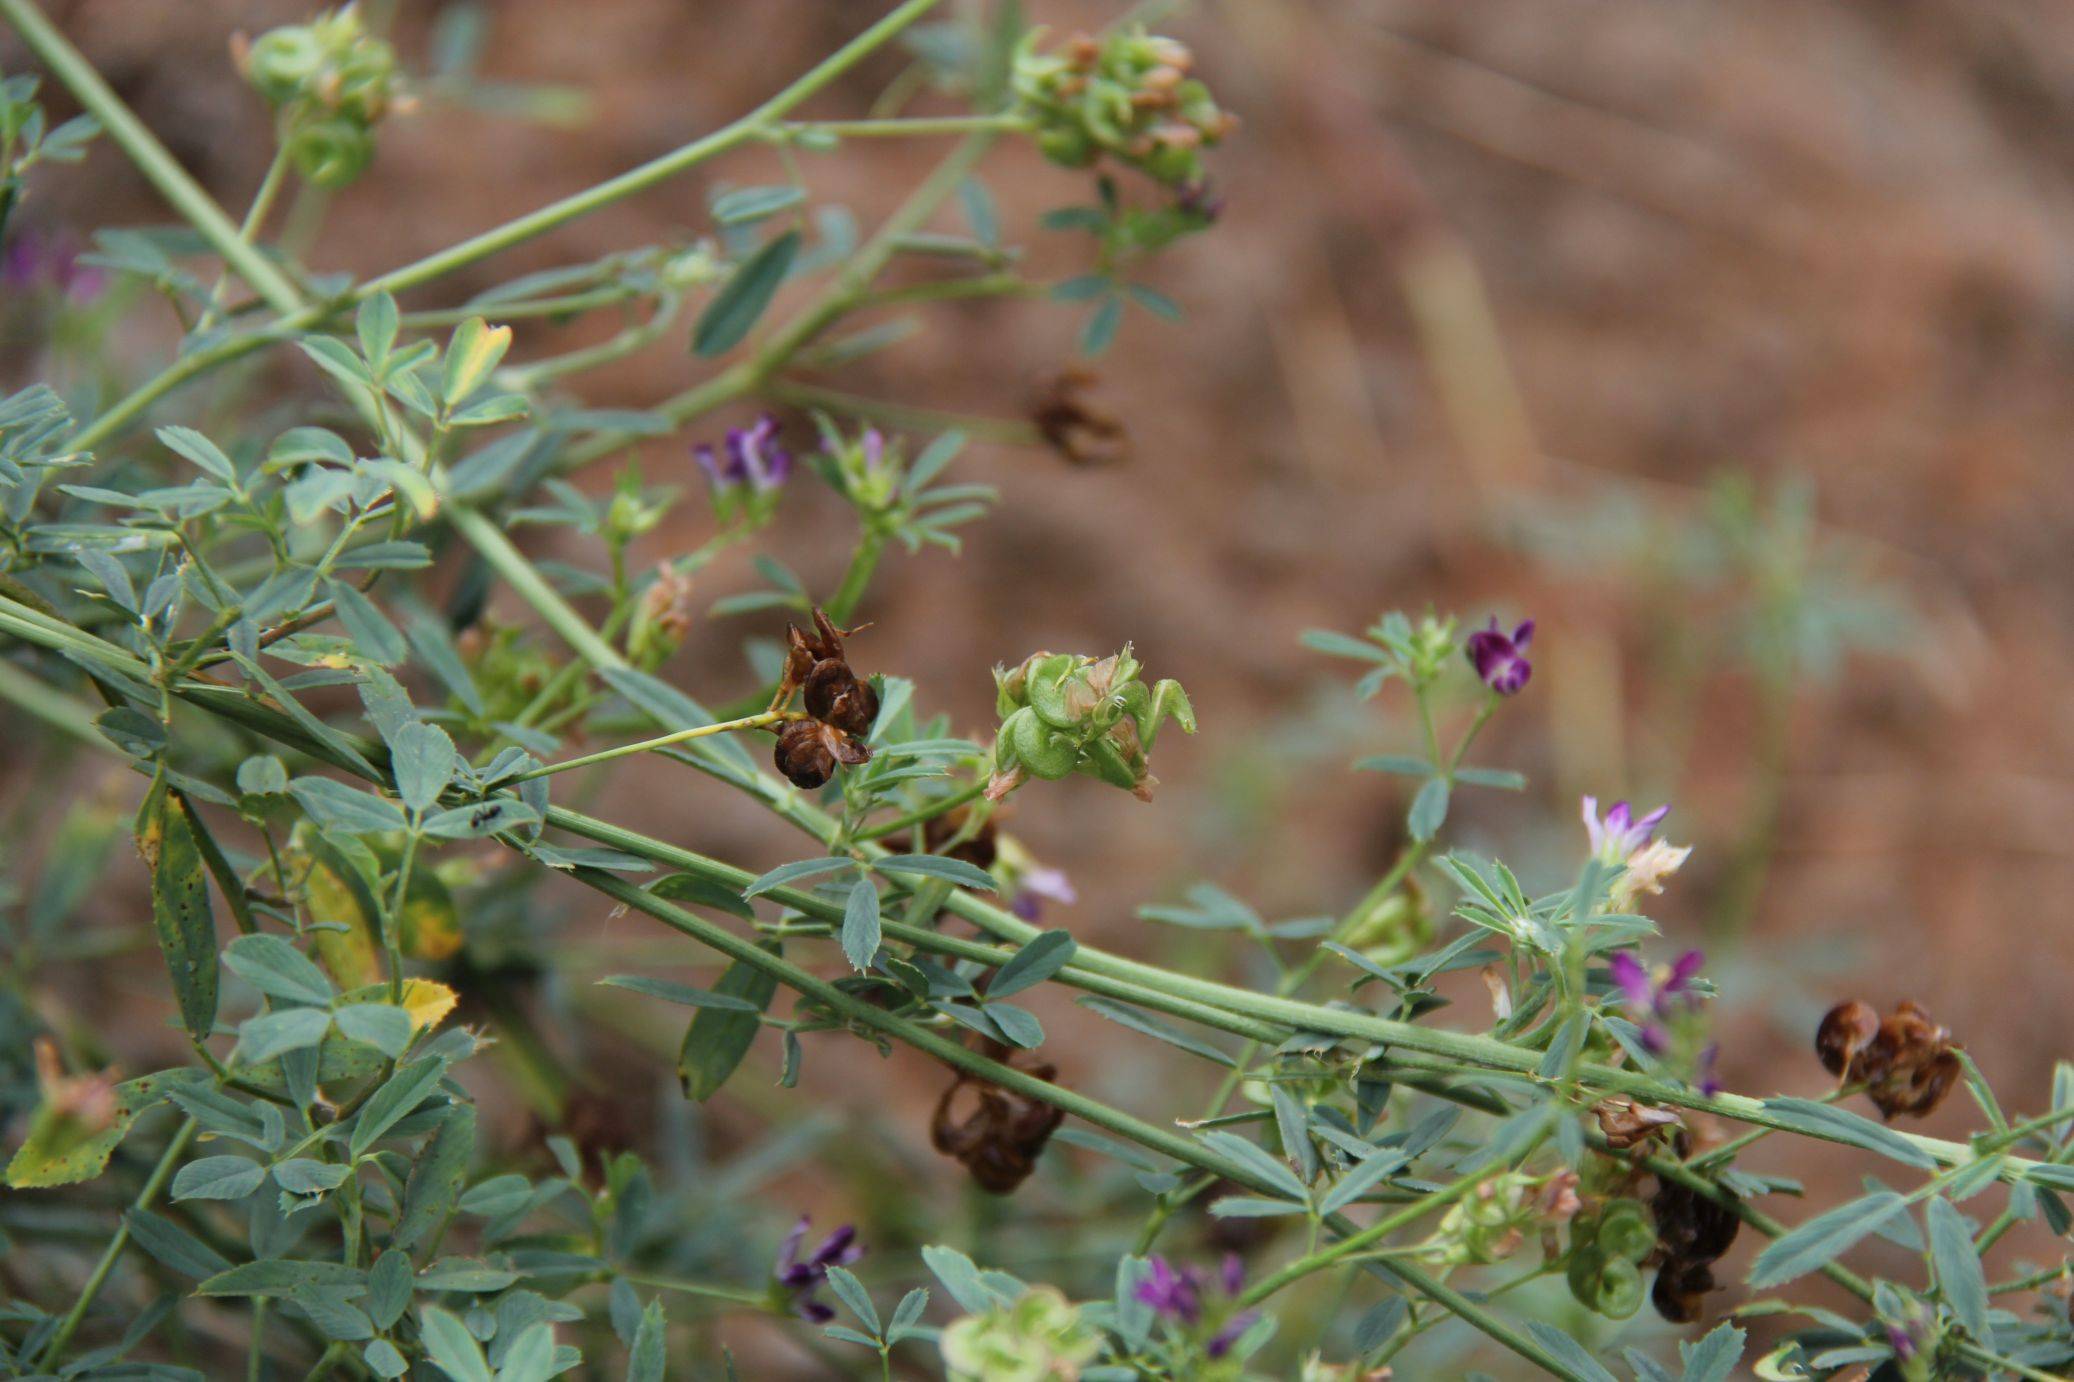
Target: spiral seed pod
[1907,1061]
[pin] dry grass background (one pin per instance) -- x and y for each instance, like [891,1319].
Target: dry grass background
[1477,259]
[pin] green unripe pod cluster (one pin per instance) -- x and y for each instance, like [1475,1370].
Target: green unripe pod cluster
[1126,96]
[1606,1253]
[1062,713]
[331,81]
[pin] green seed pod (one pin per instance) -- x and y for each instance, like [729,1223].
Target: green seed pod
[1067,146]
[1620,1289]
[1040,748]
[362,81]
[1111,766]
[283,62]
[1627,1230]
[331,153]
[1585,1266]
[1057,693]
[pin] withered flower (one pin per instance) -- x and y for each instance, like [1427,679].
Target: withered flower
[1906,1061]
[1628,1124]
[1074,426]
[995,1133]
[1693,1232]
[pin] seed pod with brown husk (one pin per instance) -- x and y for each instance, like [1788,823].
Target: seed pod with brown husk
[808,751]
[816,664]
[996,1134]
[1074,426]
[1906,1061]
[1693,1232]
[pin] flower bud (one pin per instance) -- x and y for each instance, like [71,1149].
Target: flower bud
[1036,1336]
[1125,96]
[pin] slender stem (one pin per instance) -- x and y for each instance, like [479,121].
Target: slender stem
[939,806]
[657,170]
[763,721]
[248,229]
[1356,1243]
[759,1299]
[904,126]
[153,1183]
[1008,431]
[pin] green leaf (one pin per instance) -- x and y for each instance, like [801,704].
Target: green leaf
[473,351]
[1429,809]
[1037,961]
[956,871]
[851,1291]
[1100,330]
[262,1038]
[304,1176]
[861,929]
[435,1180]
[703,892]
[383,1359]
[961,1278]
[389,1287]
[1362,1178]
[282,1276]
[278,970]
[1569,1352]
[380,1025]
[173,1246]
[679,993]
[786,874]
[180,907]
[1257,1160]
[1842,1125]
[376,324]
[205,454]
[648,1353]
[374,637]
[1960,1279]
[1823,1238]
[1714,1357]
[335,806]
[746,204]
[218,1178]
[718,1038]
[404,1091]
[422,758]
[451,1347]
[1153,1027]
[741,301]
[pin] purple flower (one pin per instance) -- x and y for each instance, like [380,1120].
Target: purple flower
[754,458]
[1172,1295]
[1037,885]
[873,445]
[802,1279]
[1178,1296]
[1619,834]
[1221,1342]
[1654,997]
[1501,661]
[32,258]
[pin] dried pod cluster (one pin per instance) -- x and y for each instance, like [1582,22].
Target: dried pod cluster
[1074,426]
[841,705]
[1905,1060]
[995,1133]
[1693,1232]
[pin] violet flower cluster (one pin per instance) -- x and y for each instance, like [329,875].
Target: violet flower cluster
[1177,1297]
[800,1279]
[747,472]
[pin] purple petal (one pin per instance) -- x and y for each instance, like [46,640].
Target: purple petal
[1633,979]
[1233,1273]
[1522,636]
[1683,970]
[838,1247]
[788,1251]
[1221,1342]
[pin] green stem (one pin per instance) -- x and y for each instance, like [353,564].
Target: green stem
[154,1183]
[763,721]
[904,126]
[751,126]
[248,230]
[1007,431]
[921,815]
[864,563]
[1355,1243]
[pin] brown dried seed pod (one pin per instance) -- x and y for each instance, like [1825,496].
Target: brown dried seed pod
[1074,426]
[837,696]
[995,1133]
[1845,1031]
[1693,1231]
[1627,1123]
[802,757]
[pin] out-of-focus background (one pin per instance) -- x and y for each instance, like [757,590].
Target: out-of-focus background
[1729,341]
